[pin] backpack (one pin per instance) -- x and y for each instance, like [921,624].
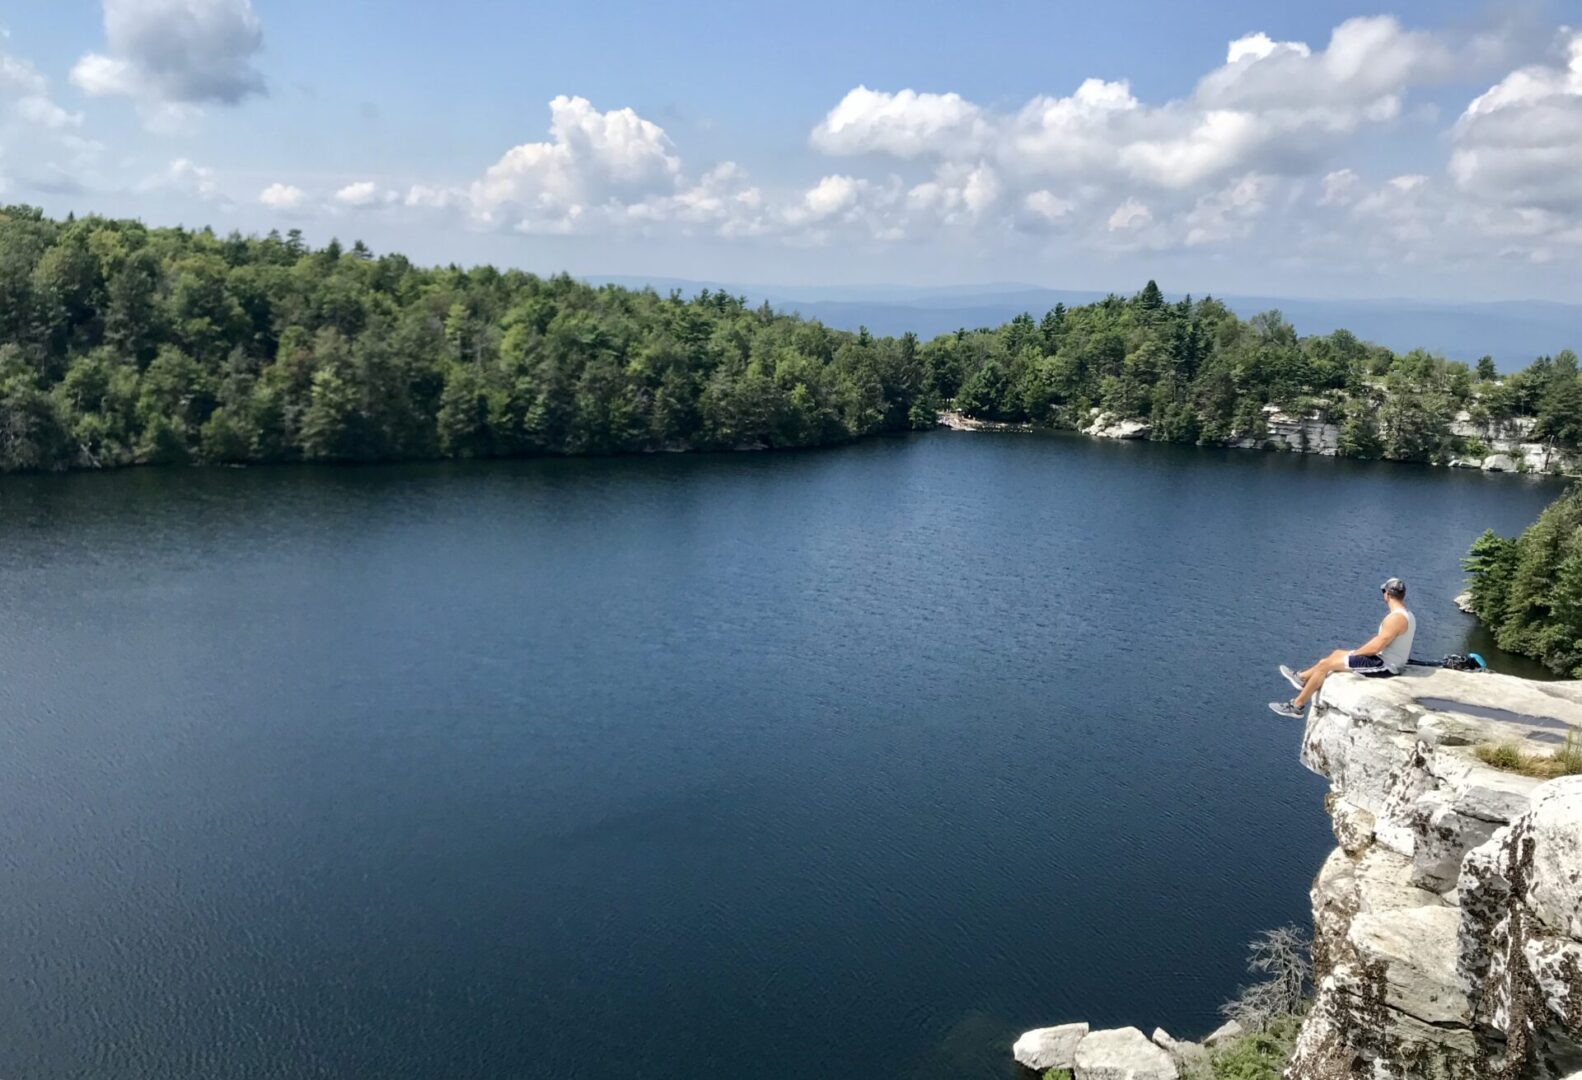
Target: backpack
[1470,662]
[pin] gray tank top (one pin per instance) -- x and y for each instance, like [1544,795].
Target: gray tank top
[1397,652]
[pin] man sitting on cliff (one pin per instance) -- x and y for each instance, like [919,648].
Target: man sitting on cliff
[1385,653]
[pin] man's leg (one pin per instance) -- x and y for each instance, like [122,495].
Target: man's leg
[1307,672]
[1314,677]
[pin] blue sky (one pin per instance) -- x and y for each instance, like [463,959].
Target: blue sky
[1426,150]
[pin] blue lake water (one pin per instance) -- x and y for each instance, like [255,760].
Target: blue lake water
[850,763]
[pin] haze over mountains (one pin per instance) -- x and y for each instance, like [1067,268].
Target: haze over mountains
[1511,331]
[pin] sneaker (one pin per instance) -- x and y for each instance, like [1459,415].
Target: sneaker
[1290,676]
[1285,708]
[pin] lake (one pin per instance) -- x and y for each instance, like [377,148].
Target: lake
[850,763]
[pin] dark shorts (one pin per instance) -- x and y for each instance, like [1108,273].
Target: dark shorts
[1368,664]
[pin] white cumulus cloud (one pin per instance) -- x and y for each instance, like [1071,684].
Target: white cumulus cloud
[363,194]
[1339,188]
[26,93]
[1270,107]
[904,124]
[591,158]
[1520,142]
[172,56]
[1047,205]
[187,178]
[1252,158]
[1130,214]
[1229,213]
[283,197]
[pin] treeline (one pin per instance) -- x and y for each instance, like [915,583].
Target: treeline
[1528,590]
[1196,373]
[123,344]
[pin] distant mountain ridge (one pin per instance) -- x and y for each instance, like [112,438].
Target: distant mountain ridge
[1511,331]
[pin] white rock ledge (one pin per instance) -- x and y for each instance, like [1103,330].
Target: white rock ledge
[1448,923]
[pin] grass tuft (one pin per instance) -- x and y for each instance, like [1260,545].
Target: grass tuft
[1565,761]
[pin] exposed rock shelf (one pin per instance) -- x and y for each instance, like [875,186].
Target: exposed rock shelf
[1448,923]
[1502,445]
[957,421]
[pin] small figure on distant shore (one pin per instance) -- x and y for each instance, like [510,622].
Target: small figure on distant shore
[1385,653]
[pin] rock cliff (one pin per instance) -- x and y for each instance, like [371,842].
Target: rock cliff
[1493,445]
[1448,921]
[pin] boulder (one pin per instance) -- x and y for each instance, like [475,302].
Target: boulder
[1536,457]
[1122,1054]
[1230,1029]
[1106,426]
[1499,463]
[1050,1047]
[1463,602]
[1184,1054]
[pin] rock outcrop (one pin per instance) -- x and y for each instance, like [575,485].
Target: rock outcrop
[959,421]
[1305,434]
[1493,445]
[1105,426]
[1509,446]
[1112,1054]
[1050,1047]
[1448,921]
[1122,1054]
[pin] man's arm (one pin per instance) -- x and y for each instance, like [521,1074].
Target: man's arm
[1394,626]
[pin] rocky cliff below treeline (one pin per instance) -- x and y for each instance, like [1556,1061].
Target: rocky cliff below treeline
[1492,446]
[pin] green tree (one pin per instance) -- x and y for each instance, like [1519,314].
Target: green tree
[32,436]
[1491,563]
[465,416]
[1560,411]
[1359,436]
[984,393]
[225,438]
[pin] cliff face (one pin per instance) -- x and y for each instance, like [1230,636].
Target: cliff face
[1448,921]
[1507,445]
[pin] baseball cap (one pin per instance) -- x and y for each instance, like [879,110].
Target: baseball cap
[1394,586]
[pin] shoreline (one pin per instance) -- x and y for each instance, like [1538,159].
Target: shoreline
[1292,436]
[1560,466]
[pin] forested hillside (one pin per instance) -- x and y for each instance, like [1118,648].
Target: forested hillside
[124,344]
[1528,590]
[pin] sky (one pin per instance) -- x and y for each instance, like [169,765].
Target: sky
[1425,150]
